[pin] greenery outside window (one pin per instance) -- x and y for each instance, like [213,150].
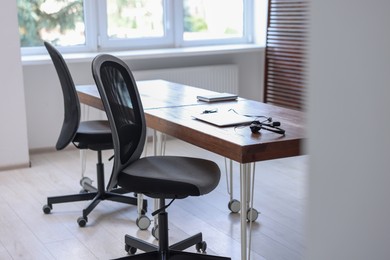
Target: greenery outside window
[93,25]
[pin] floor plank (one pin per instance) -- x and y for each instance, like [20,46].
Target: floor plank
[27,233]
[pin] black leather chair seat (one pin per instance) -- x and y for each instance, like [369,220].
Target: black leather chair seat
[181,176]
[94,135]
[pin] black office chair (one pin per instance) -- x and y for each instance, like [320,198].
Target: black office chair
[159,177]
[94,135]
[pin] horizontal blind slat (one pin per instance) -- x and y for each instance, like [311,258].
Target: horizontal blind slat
[286,47]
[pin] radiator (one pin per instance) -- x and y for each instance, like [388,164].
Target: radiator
[220,78]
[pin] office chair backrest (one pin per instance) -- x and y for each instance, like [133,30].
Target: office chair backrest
[71,100]
[123,106]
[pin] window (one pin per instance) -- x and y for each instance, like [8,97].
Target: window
[136,19]
[204,19]
[132,24]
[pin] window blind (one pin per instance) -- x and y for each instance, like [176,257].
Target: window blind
[286,48]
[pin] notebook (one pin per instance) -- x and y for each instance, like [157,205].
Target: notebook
[217,97]
[224,118]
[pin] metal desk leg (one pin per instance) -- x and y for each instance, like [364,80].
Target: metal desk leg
[83,156]
[158,143]
[233,205]
[158,149]
[248,213]
[244,178]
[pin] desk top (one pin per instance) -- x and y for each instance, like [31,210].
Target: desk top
[154,94]
[235,142]
[169,108]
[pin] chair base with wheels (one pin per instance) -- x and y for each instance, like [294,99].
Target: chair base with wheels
[163,250]
[98,194]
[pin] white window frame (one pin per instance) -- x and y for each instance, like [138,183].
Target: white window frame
[96,40]
[247,30]
[104,42]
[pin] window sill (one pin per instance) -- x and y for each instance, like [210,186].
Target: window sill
[147,54]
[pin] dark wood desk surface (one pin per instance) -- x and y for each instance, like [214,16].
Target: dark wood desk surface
[169,108]
[154,94]
[237,142]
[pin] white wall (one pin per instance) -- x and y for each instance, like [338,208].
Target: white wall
[13,132]
[44,98]
[349,146]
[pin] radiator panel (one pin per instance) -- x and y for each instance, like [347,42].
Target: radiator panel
[220,78]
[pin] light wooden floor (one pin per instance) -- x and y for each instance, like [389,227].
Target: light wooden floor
[27,233]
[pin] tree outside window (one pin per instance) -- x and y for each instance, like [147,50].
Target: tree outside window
[58,21]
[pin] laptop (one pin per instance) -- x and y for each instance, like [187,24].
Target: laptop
[217,97]
[224,118]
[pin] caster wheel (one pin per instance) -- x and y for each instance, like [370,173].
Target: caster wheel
[155,232]
[143,222]
[252,215]
[46,209]
[82,191]
[85,180]
[201,247]
[82,221]
[130,250]
[234,206]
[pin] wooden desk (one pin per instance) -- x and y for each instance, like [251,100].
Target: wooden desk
[236,143]
[154,94]
[169,108]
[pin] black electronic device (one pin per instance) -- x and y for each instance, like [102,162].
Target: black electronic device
[256,126]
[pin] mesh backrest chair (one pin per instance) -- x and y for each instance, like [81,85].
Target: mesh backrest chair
[93,135]
[159,177]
